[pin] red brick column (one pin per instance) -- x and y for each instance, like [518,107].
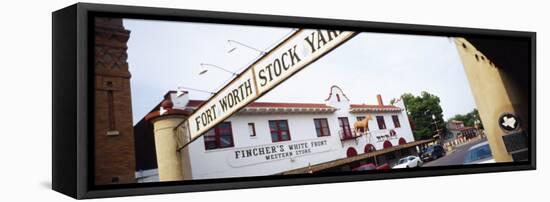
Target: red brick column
[114,132]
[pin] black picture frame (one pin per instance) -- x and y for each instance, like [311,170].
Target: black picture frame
[72,99]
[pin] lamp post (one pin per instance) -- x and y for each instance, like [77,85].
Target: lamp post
[434,122]
[204,69]
[233,47]
[181,88]
[436,128]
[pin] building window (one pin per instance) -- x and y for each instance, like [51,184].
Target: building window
[338,97]
[387,144]
[251,130]
[351,152]
[369,148]
[279,130]
[220,136]
[344,127]
[321,126]
[396,121]
[111,110]
[402,141]
[381,122]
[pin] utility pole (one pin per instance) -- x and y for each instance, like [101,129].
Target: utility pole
[437,134]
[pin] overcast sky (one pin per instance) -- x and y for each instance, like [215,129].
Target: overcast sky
[165,55]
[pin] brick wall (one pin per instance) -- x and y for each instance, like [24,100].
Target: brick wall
[114,133]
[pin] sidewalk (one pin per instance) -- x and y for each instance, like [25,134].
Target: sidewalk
[451,149]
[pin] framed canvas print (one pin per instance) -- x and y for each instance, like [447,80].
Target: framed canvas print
[158,100]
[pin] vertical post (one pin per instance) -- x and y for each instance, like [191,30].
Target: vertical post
[489,93]
[172,163]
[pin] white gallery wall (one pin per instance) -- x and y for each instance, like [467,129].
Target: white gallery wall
[25,65]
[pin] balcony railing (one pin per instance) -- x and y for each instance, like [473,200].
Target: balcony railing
[348,135]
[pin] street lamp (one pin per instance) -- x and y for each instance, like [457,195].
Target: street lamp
[233,47]
[204,69]
[181,88]
[435,124]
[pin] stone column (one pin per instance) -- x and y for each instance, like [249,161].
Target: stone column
[490,95]
[173,164]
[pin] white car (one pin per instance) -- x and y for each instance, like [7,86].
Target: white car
[409,162]
[479,154]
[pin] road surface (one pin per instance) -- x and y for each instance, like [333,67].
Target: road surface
[454,158]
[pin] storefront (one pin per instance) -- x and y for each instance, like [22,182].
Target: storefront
[266,138]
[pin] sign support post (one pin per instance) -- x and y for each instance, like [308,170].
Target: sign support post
[489,93]
[172,160]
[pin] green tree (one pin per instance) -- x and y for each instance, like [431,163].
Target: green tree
[469,118]
[420,110]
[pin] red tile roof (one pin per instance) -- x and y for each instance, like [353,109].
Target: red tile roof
[196,103]
[373,106]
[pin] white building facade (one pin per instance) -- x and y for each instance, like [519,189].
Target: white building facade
[271,138]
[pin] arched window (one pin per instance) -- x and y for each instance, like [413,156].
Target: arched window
[369,148]
[402,141]
[351,152]
[387,144]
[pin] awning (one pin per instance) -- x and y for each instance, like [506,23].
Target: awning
[344,161]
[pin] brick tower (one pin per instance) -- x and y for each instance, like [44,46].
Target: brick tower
[114,132]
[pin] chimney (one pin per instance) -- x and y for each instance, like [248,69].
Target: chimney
[379,98]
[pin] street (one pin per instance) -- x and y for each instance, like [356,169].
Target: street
[454,158]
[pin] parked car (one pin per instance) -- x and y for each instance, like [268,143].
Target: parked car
[433,152]
[409,162]
[384,166]
[479,154]
[368,166]
[372,166]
